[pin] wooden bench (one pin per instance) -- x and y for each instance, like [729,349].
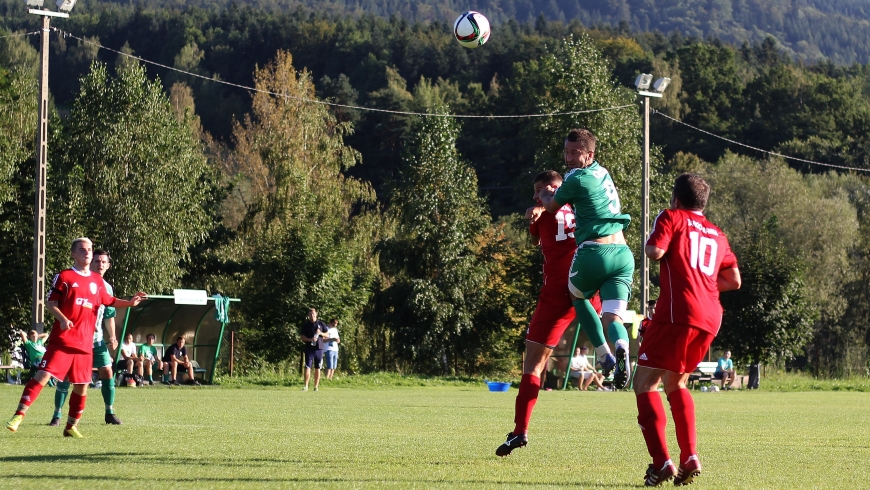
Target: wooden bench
[704,374]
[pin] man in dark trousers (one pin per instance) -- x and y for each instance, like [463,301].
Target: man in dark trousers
[313,333]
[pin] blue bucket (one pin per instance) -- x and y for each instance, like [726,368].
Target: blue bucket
[498,386]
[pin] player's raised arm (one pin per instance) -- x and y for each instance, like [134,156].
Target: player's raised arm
[548,200]
[129,303]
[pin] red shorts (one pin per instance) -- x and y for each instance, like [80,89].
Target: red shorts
[674,347]
[553,314]
[67,364]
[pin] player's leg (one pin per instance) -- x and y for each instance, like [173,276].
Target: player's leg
[147,367]
[652,421]
[55,363]
[553,314]
[173,366]
[103,363]
[585,278]
[79,376]
[617,263]
[60,394]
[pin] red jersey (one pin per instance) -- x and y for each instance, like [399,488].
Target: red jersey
[556,231]
[695,251]
[79,296]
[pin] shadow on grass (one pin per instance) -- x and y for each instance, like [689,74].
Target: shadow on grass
[126,457]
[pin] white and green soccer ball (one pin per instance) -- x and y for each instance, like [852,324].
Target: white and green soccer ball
[471,29]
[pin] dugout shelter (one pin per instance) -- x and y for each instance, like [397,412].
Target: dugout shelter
[171,316]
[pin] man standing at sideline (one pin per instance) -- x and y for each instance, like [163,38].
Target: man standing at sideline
[697,263]
[102,359]
[313,333]
[554,232]
[75,297]
[603,262]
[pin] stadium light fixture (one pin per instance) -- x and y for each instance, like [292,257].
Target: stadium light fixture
[661,84]
[643,80]
[66,5]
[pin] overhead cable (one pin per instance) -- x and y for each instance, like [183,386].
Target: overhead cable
[333,104]
[759,149]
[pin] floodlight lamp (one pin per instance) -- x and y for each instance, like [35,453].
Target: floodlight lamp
[66,5]
[661,84]
[642,82]
[34,3]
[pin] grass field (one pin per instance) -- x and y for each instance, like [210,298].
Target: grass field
[426,437]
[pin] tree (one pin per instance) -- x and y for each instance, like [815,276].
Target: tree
[441,304]
[769,318]
[135,178]
[308,232]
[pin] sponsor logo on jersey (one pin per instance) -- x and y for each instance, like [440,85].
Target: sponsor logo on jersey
[84,303]
[75,285]
[643,357]
[93,288]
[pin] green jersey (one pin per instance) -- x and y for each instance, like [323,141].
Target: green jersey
[35,350]
[593,195]
[148,352]
[104,313]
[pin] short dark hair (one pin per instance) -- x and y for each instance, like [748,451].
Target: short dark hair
[691,191]
[103,251]
[548,176]
[651,302]
[334,320]
[180,337]
[150,336]
[583,136]
[583,347]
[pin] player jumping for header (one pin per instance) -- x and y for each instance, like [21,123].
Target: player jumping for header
[76,294]
[697,263]
[603,262]
[554,232]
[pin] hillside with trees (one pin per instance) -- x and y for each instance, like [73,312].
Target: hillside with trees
[405,226]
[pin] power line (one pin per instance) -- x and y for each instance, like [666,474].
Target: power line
[21,34]
[333,104]
[759,149]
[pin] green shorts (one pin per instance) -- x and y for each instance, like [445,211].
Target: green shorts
[101,355]
[605,268]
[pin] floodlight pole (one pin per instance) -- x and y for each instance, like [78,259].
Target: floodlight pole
[644,220]
[38,309]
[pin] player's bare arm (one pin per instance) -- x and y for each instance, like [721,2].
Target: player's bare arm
[653,252]
[547,195]
[65,323]
[729,279]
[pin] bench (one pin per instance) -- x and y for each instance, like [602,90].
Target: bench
[197,371]
[704,374]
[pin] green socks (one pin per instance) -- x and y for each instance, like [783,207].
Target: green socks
[589,321]
[108,390]
[616,331]
[60,395]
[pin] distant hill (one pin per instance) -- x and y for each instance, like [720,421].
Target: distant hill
[812,30]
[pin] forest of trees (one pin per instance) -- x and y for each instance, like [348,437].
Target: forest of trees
[407,227]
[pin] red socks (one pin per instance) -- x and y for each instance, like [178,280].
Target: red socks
[76,407]
[652,419]
[683,411]
[530,385]
[31,393]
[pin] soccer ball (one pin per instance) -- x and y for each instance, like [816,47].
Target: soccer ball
[714,389]
[471,29]
[704,389]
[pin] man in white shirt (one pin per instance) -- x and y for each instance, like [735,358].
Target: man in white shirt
[332,341]
[582,371]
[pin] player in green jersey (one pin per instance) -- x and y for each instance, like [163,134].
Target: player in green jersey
[603,262]
[102,359]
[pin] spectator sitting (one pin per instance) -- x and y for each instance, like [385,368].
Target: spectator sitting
[176,355]
[34,344]
[148,358]
[582,371]
[129,361]
[725,370]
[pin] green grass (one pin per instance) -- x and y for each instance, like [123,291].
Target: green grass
[426,437]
